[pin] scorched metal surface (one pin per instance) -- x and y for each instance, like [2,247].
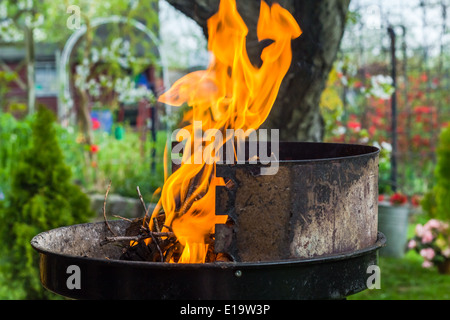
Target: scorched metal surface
[102,276]
[323,200]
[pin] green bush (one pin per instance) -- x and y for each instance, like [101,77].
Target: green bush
[14,139]
[437,202]
[442,174]
[42,197]
[127,163]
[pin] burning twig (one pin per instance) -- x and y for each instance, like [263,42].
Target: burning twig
[104,209]
[155,222]
[137,238]
[158,247]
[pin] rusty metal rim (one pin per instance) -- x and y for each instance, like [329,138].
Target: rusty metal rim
[371,151]
[381,241]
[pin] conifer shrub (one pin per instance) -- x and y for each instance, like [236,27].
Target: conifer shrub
[442,175]
[437,202]
[42,197]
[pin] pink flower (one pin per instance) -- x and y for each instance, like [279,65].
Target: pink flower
[419,230]
[427,254]
[427,264]
[446,253]
[412,244]
[432,224]
[427,236]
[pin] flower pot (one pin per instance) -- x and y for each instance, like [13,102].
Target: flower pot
[393,223]
[444,267]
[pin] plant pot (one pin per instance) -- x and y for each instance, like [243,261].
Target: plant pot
[444,267]
[393,223]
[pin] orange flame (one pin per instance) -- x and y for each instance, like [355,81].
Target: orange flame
[231,94]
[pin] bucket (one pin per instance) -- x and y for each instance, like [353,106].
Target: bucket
[393,223]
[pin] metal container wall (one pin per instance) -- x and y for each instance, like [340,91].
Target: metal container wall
[322,200]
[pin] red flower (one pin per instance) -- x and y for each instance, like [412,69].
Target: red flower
[424,77]
[94,148]
[415,200]
[416,140]
[380,197]
[354,125]
[423,109]
[398,198]
[95,124]
[358,84]
[419,95]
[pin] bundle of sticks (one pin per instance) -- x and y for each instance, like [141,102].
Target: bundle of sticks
[142,243]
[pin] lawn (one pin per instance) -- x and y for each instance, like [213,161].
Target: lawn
[405,279]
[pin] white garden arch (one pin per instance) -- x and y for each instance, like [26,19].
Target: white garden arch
[65,101]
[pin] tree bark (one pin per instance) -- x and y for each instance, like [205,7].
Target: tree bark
[296,112]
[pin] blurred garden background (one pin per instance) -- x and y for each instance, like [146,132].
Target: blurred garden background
[79,82]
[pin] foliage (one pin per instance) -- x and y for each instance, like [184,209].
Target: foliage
[442,174]
[18,14]
[112,69]
[331,105]
[105,73]
[49,18]
[384,167]
[128,163]
[364,92]
[14,137]
[432,242]
[436,202]
[42,197]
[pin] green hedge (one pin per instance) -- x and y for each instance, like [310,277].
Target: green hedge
[41,196]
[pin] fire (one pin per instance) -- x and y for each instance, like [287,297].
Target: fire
[231,94]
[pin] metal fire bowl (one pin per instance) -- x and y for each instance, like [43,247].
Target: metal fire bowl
[103,276]
[322,200]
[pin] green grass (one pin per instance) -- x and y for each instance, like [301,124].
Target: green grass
[405,279]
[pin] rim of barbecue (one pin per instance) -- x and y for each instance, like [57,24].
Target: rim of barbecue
[36,244]
[348,150]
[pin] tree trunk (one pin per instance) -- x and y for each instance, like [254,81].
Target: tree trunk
[296,112]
